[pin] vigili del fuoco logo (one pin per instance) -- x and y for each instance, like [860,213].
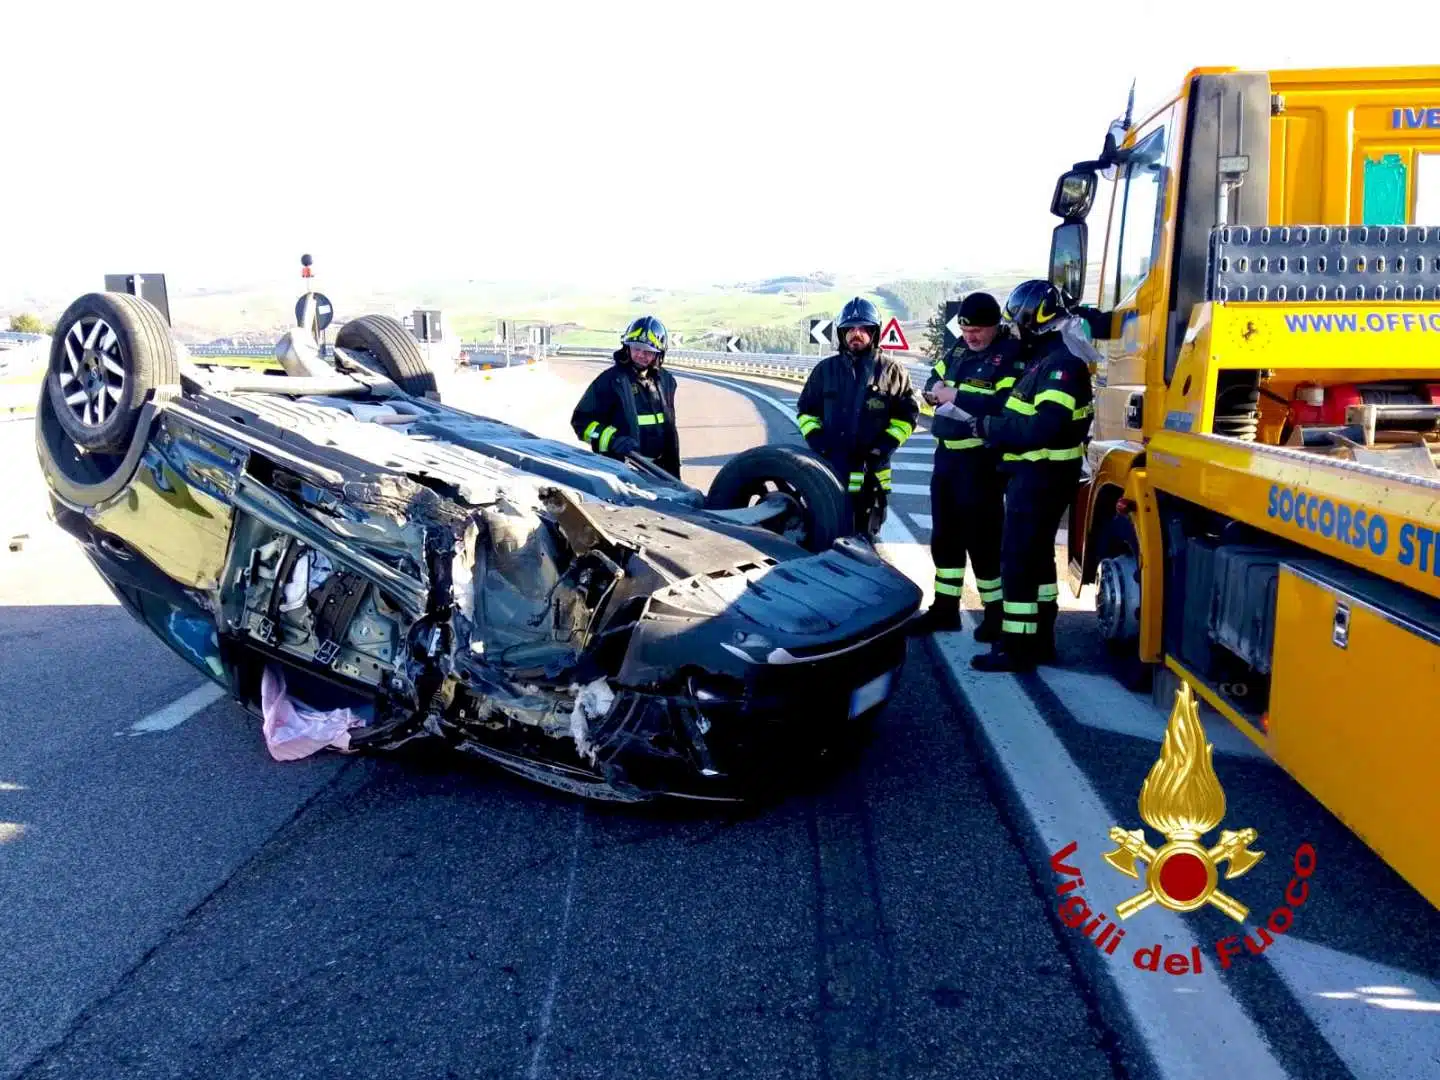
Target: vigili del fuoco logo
[1182,800]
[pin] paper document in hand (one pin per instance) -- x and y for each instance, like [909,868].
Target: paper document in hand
[950,410]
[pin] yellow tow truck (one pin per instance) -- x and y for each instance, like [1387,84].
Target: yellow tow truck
[1261,508]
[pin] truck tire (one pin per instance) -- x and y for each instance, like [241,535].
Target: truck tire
[392,347]
[820,509]
[1117,602]
[109,353]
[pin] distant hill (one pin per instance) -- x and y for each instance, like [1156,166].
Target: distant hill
[768,314]
[816,282]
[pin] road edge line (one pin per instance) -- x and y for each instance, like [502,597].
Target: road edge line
[1151,1045]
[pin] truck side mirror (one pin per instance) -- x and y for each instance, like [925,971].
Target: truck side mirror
[1074,193]
[1067,259]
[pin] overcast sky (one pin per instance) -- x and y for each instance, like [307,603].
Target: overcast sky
[666,143]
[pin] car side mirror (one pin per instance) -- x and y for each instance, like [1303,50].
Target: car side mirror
[1067,259]
[1074,194]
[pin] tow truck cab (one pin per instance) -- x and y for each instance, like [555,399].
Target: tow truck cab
[1261,511]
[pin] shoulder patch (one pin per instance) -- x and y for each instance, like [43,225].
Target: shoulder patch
[1059,375]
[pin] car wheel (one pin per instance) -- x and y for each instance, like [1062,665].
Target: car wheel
[109,353]
[818,517]
[392,347]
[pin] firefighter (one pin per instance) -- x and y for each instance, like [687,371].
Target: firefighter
[1040,435]
[630,408]
[856,409]
[967,488]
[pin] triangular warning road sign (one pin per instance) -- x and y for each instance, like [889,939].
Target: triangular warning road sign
[892,337]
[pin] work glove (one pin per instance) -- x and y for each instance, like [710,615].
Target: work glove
[625,444]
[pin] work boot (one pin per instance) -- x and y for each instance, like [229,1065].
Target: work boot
[1012,653]
[943,614]
[988,632]
[1044,644]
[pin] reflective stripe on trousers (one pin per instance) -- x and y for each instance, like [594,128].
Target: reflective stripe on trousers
[1020,617]
[949,580]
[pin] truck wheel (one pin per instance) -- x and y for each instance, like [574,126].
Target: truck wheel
[818,515]
[1117,602]
[392,347]
[109,353]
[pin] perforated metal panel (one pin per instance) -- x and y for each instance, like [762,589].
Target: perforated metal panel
[1297,263]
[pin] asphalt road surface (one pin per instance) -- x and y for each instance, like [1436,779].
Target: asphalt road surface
[173,903]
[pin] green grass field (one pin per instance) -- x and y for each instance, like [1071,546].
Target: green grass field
[598,319]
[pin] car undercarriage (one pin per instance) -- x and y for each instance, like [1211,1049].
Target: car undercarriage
[428,572]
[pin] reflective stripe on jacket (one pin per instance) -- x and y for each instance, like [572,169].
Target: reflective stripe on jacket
[852,405]
[982,381]
[1048,411]
[621,402]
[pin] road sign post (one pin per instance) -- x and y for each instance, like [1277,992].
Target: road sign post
[150,287]
[822,331]
[952,324]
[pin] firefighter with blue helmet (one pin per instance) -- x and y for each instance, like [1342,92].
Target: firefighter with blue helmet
[630,408]
[856,409]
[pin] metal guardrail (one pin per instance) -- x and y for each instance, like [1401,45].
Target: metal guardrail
[489,357]
[773,365]
[19,337]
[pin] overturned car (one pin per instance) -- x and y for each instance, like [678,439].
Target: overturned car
[339,531]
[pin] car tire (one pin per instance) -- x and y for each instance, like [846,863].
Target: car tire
[393,348]
[110,352]
[800,473]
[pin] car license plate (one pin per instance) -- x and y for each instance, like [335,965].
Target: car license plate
[871,694]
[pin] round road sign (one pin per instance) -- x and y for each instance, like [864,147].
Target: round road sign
[324,312]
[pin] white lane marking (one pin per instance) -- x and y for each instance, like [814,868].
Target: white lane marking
[922,521]
[547,1008]
[1180,1031]
[917,451]
[11,830]
[728,384]
[177,712]
[1098,701]
[1381,1021]
[898,546]
[909,466]
[910,489]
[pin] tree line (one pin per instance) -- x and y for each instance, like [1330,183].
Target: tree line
[28,323]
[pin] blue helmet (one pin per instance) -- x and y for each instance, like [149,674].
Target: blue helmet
[858,312]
